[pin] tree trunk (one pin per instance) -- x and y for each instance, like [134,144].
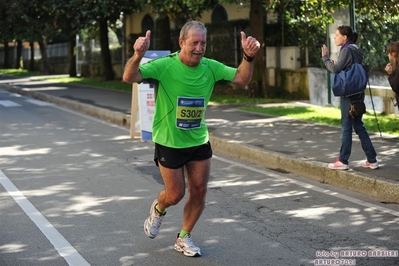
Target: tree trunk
[72,55]
[19,55]
[6,54]
[32,56]
[106,62]
[258,85]
[45,63]
[162,33]
[282,12]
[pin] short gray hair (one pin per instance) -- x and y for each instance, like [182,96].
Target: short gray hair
[197,25]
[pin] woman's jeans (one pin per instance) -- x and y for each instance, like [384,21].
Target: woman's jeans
[347,123]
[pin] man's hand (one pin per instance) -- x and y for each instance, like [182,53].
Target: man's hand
[142,44]
[250,45]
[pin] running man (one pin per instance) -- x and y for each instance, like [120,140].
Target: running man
[185,80]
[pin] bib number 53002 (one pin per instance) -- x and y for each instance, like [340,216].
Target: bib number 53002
[189,112]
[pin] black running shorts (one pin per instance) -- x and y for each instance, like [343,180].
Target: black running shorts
[176,158]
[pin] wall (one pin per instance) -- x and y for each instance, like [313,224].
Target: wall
[133,21]
[234,12]
[379,99]
[290,57]
[293,82]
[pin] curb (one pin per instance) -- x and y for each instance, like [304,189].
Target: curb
[384,190]
[351,180]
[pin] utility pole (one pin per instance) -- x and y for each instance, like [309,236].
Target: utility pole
[352,16]
[328,72]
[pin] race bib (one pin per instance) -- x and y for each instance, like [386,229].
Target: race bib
[189,112]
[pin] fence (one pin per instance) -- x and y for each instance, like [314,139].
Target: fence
[88,52]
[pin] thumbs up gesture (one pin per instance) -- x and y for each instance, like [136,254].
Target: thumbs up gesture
[142,44]
[249,44]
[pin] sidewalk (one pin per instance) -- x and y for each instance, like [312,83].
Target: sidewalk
[278,143]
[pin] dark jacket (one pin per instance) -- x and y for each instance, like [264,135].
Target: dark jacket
[394,82]
[344,60]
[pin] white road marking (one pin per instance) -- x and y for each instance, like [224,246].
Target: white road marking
[7,103]
[64,248]
[39,103]
[312,187]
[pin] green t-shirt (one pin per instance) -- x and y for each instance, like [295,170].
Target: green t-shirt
[182,96]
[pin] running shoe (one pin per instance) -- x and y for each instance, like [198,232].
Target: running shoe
[153,222]
[186,246]
[338,165]
[373,166]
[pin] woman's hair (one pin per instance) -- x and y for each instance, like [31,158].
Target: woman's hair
[346,30]
[394,48]
[189,26]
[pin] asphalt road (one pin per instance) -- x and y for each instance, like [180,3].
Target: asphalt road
[76,190]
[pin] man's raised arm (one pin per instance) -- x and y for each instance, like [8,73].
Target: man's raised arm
[131,73]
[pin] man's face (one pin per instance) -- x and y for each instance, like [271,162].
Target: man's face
[193,48]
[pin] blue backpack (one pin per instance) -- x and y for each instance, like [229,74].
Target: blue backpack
[352,80]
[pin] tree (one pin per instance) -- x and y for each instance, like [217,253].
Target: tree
[69,19]
[72,16]
[180,12]
[5,29]
[10,30]
[308,20]
[377,22]
[258,84]
[99,14]
[40,20]
[31,21]
[37,17]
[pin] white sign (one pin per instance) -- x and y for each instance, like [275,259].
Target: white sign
[146,109]
[147,99]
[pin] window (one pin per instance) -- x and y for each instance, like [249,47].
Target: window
[219,14]
[147,24]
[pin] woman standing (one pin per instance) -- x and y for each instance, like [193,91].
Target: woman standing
[392,68]
[346,38]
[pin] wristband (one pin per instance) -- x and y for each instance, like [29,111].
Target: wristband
[247,58]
